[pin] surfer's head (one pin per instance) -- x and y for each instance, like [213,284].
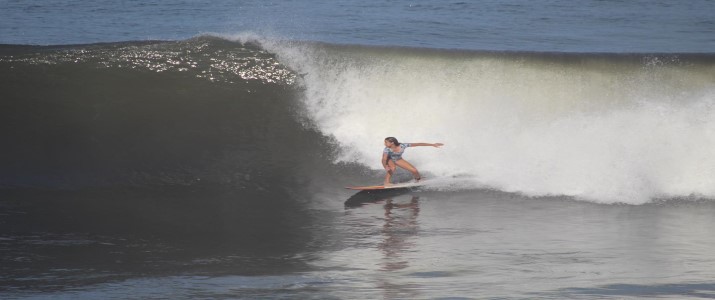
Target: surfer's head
[390,141]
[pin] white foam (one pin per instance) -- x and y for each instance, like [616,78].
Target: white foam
[604,131]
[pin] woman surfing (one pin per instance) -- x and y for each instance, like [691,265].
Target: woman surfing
[392,158]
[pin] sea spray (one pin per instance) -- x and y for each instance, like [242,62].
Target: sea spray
[598,127]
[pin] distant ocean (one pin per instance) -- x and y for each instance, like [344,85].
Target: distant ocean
[199,149]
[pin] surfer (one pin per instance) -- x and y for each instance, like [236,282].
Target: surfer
[392,158]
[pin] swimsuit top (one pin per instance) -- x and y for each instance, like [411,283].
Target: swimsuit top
[396,155]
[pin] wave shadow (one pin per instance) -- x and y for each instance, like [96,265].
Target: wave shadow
[367,197]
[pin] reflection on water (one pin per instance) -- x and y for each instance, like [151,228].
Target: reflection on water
[398,232]
[390,245]
[421,244]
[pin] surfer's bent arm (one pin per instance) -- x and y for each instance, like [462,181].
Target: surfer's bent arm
[384,161]
[437,145]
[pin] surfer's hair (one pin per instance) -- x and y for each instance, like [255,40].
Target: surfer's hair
[392,140]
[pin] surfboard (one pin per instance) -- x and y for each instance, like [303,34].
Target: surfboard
[389,187]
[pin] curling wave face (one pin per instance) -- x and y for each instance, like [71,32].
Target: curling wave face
[601,127]
[202,111]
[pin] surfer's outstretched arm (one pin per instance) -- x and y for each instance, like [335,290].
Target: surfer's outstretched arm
[436,145]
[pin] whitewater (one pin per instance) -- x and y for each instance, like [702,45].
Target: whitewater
[627,128]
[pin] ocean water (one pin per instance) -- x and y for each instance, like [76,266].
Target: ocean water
[199,149]
[563,26]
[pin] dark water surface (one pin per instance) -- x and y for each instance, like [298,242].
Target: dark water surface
[407,245]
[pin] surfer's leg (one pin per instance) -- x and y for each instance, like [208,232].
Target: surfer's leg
[409,167]
[388,176]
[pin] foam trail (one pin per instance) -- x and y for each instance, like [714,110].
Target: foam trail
[604,128]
